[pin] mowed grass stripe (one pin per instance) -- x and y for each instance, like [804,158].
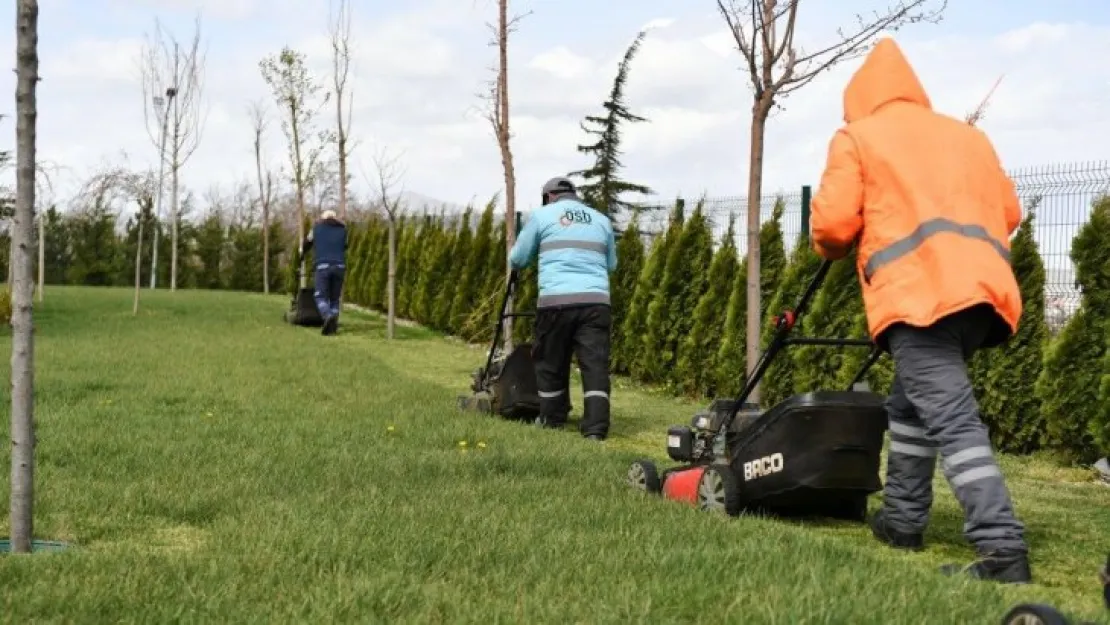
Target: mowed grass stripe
[214,464]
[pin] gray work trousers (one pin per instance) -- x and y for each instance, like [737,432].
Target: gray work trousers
[931,406]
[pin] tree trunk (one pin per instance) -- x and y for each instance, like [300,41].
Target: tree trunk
[263,200]
[158,208]
[391,312]
[175,217]
[503,136]
[42,256]
[175,166]
[755,190]
[298,171]
[22,235]
[138,264]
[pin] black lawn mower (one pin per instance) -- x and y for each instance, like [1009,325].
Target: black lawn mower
[814,454]
[506,385]
[302,308]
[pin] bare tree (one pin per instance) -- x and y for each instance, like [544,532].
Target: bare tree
[167,66]
[341,66]
[763,31]
[23,347]
[498,116]
[43,186]
[387,176]
[265,188]
[295,92]
[120,183]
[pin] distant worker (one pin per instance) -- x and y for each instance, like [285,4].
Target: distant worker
[329,237]
[924,198]
[576,254]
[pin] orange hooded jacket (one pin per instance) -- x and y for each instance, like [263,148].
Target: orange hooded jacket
[925,198]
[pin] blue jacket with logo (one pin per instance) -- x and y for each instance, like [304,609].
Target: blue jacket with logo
[577,251]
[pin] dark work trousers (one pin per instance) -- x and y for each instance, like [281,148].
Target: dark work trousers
[582,331]
[329,287]
[931,407]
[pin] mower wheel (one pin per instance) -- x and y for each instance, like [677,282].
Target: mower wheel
[643,475]
[718,490]
[1034,614]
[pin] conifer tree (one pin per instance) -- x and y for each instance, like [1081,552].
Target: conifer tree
[676,295]
[377,296]
[408,267]
[373,258]
[433,265]
[778,382]
[697,360]
[602,184]
[635,323]
[630,263]
[460,253]
[1069,383]
[731,364]
[1014,418]
[730,361]
[772,256]
[466,292]
[833,312]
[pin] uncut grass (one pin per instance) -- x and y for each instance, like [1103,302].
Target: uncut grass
[211,463]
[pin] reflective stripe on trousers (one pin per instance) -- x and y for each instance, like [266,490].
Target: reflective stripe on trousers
[932,407]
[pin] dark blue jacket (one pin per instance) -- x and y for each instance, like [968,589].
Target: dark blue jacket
[329,238]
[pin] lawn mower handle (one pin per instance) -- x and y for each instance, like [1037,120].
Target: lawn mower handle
[784,323]
[510,286]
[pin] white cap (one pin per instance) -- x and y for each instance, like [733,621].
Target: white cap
[328,214]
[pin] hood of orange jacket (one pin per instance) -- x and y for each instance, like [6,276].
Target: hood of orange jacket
[884,77]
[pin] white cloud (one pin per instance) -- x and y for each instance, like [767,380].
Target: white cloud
[417,75]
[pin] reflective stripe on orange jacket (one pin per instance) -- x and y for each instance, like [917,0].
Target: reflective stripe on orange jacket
[924,197]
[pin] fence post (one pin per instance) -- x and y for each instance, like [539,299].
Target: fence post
[806,195]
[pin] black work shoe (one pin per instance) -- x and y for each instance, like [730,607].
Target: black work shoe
[331,324]
[1002,567]
[892,537]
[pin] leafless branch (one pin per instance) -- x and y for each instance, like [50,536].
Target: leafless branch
[764,50]
[388,174]
[340,29]
[167,64]
[976,116]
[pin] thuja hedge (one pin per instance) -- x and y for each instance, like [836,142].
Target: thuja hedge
[679,316]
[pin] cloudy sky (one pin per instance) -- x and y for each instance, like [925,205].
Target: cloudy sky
[420,64]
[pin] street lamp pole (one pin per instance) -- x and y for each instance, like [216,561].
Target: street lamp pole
[160,103]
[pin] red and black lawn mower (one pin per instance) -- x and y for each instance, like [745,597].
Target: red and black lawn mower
[814,454]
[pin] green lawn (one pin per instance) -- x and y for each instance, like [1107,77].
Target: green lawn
[212,464]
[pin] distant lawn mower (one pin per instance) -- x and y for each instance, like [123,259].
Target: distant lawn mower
[506,385]
[302,308]
[812,455]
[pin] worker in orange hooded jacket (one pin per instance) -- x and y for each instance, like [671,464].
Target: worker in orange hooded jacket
[925,201]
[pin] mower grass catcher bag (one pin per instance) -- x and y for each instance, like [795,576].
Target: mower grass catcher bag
[815,454]
[506,386]
[302,309]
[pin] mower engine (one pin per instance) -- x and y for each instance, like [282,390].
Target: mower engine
[702,441]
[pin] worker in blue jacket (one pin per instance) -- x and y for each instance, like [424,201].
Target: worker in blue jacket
[577,252]
[329,237]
